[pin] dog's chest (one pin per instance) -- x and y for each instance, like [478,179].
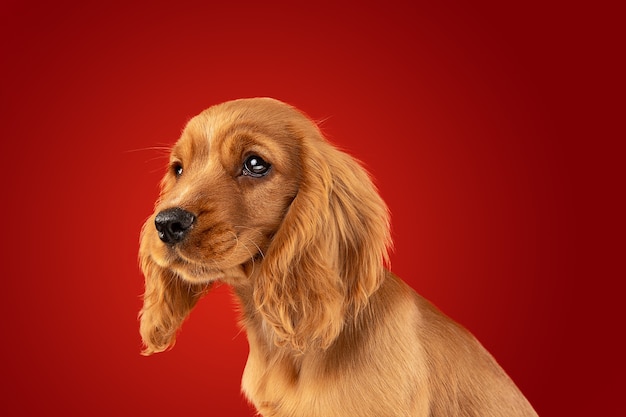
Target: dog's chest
[287,389]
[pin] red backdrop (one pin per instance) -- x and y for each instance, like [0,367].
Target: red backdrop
[484,125]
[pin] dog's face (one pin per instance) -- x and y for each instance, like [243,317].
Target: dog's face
[231,177]
[256,197]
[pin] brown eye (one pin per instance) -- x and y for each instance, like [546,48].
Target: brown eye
[255,166]
[177,169]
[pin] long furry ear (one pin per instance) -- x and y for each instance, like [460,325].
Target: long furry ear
[167,301]
[329,253]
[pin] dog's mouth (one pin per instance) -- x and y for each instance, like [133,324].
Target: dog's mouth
[202,258]
[202,273]
[199,261]
[195,272]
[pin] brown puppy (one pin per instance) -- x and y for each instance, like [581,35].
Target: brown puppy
[256,197]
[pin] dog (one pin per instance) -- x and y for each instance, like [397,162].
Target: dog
[257,198]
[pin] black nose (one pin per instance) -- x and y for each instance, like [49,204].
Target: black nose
[173,224]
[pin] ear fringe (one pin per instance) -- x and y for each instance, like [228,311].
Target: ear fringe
[362,222]
[329,254]
[298,292]
[167,302]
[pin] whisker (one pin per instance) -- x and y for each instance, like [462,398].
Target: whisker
[161,155]
[247,250]
[155,171]
[251,241]
[257,247]
[167,149]
[156,158]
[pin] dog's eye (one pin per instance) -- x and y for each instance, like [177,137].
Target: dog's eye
[177,169]
[255,166]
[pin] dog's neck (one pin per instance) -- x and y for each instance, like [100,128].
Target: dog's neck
[258,330]
[261,334]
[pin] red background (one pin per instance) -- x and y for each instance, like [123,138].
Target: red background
[488,129]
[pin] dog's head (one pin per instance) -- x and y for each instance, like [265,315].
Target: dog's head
[255,196]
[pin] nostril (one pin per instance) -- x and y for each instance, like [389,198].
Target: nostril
[177,227]
[173,224]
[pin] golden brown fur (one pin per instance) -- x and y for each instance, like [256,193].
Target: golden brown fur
[332,332]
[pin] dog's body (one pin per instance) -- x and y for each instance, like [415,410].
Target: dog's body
[402,357]
[258,199]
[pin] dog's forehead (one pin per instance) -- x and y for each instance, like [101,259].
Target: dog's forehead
[212,126]
[192,140]
[225,132]
[219,124]
[202,134]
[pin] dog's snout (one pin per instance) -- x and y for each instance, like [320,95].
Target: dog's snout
[173,224]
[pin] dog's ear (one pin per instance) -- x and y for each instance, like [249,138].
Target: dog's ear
[167,301]
[328,255]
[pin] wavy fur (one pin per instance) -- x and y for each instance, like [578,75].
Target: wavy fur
[327,257]
[331,331]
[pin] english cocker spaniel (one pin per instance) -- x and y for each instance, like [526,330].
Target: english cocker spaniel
[255,197]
